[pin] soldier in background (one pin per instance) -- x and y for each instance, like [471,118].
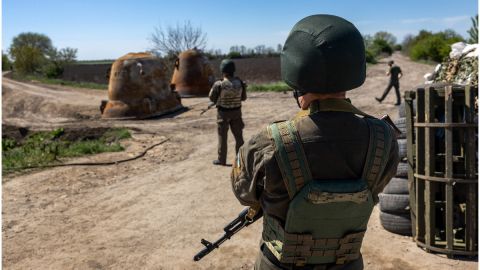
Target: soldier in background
[228,94]
[395,74]
[316,180]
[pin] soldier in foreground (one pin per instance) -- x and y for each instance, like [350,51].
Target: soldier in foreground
[317,177]
[227,94]
[395,74]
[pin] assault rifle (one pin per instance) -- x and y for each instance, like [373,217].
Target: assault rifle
[245,218]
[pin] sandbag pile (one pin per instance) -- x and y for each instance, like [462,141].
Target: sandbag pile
[461,66]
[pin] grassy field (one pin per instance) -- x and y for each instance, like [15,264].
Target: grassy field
[269,87]
[41,79]
[48,147]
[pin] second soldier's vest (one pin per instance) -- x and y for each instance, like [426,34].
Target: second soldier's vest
[230,96]
[326,218]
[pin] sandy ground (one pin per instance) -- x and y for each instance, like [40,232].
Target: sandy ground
[152,212]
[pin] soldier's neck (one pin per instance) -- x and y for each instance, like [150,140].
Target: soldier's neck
[228,77]
[308,98]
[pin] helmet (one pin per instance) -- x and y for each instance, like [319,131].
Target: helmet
[227,66]
[323,54]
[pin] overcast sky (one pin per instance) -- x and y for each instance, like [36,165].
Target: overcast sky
[108,29]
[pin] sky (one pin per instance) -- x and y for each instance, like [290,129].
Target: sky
[108,29]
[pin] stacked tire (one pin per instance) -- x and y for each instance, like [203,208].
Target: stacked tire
[394,200]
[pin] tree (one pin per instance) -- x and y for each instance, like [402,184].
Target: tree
[174,40]
[367,41]
[279,48]
[6,63]
[473,31]
[30,51]
[58,60]
[387,37]
[235,49]
[381,46]
[243,50]
[260,49]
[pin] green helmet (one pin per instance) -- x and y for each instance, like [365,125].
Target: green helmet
[227,66]
[323,54]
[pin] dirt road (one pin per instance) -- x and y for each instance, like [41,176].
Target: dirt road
[152,212]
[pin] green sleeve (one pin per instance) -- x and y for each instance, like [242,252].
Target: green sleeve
[248,173]
[214,92]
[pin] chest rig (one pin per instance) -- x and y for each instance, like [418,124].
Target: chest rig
[326,219]
[231,93]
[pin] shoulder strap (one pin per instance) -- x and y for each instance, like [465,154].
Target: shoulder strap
[293,163]
[290,156]
[378,150]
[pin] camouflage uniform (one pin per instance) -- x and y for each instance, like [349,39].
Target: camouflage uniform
[311,174]
[257,179]
[228,94]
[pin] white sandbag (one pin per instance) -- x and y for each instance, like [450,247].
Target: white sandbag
[471,50]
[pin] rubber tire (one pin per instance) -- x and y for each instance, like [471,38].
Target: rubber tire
[402,170]
[394,203]
[402,148]
[396,186]
[399,224]
[401,125]
[401,110]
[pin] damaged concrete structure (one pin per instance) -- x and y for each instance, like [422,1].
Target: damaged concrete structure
[138,89]
[192,75]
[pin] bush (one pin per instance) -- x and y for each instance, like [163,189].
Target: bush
[381,46]
[234,55]
[397,47]
[370,57]
[430,46]
[52,71]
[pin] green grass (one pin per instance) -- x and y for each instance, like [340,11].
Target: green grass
[45,80]
[44,148]
[269,87]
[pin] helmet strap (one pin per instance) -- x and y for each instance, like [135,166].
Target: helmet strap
[296,95]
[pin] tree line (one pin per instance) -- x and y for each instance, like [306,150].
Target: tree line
[34,53]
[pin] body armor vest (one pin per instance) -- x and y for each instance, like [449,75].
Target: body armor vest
[326,219]
[230,93]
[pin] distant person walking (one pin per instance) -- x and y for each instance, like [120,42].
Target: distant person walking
[395,74]
[228,94]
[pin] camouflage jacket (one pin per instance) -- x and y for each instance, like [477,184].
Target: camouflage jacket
[335,144]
